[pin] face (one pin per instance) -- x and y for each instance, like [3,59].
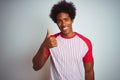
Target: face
[64,23]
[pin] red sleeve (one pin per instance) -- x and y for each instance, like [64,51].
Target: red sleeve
[47,52]
[88,57]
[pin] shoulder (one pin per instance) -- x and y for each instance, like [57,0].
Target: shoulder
[85,39]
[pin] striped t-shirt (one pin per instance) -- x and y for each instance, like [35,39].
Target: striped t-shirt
[66,60]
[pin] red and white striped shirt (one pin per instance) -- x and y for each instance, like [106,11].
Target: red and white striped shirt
[66,60]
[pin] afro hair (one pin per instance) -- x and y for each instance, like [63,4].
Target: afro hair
[63,6]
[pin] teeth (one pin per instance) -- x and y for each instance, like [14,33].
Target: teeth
[64,28]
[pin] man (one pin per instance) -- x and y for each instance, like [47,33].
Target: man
[70,52]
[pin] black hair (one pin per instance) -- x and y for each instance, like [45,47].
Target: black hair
[63,6]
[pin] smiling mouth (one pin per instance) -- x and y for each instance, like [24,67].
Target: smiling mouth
[65,28]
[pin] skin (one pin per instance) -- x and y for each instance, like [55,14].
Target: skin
[40,58]
[64,23]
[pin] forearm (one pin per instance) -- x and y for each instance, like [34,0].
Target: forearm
[89,75]
[40,58]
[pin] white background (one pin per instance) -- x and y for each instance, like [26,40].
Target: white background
[23,26]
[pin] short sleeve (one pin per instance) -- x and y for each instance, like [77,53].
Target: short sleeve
[47,52]
[88,57]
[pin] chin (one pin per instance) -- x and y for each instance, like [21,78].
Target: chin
[65,33]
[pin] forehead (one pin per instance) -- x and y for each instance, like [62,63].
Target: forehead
[63,15]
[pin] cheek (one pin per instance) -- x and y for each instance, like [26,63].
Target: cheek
[69,23]
[59,25]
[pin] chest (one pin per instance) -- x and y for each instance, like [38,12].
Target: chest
[69,49]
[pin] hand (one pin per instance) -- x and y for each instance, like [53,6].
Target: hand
[49,41]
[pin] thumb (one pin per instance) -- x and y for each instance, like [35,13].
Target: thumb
[48,33]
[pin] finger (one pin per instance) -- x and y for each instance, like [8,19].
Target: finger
[52,37]
[48,33]
[55,42]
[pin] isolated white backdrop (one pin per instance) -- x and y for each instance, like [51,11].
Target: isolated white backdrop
[23,26]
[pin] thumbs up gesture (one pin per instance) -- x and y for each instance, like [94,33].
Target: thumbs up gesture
[48,33]
[50,41]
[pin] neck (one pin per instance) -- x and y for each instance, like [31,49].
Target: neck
[68,35]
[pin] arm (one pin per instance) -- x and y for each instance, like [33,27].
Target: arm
[89,71]
[40,58]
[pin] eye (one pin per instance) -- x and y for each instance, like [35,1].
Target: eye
[58,21]
[66,19]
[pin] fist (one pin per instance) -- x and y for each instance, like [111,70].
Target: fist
[50,41]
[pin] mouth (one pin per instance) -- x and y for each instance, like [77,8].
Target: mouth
[65,28]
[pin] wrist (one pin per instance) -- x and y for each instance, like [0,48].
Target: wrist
[45,49]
